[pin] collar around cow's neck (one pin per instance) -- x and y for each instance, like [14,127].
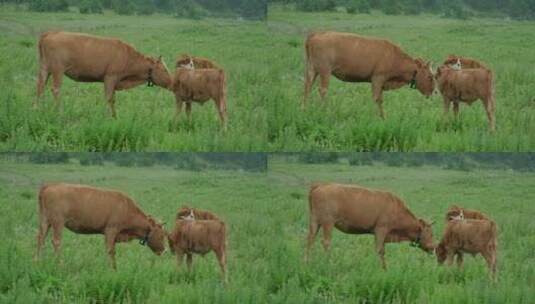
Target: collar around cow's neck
[150,82]
[412,83]
[145,239]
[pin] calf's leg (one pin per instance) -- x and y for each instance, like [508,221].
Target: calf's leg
[189,260]
[179,103]
[460,260]
[489,108]
[456,108]
[222,260]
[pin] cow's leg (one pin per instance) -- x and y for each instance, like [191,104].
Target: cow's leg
[447,104]
[313,228]
[377,91]
[44,226]
[310,78]
[325,76]
[189,260]
[110,235]
[109,92]
[57,79]
[380,236]
[327,234]
[57,231]
[179,257]
[42,79]
[490,115]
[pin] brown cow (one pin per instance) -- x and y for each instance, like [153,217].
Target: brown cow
[200,237]
[354,58]
[87,58]
[463,62]
[459,213]
[469,236]
[87,210]
[200,85]
[188,212]
[358,210]
[467,85]
[186,60]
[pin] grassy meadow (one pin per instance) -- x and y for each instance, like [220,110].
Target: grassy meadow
[349,119]
[267,219]
[144,114]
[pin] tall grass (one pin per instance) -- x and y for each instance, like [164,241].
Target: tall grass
[348,119]
[267,219]
[144,114]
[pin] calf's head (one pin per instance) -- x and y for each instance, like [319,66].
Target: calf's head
[158,73]
[423,78]
[425,238]
[441,253]
[454,213]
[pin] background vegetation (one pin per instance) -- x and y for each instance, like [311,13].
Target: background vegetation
[348,119]
[251,9]
[518,9]
[267,218]
[144,114]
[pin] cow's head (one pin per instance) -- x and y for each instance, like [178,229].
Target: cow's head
[423,78]
[155,237]
[425,238]
[441,253]
[158,73]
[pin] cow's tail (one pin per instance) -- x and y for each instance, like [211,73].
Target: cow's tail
[491,86]
[493,243]
[309,68]
[223,97]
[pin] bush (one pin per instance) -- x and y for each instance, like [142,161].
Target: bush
[145,8]
[455,9]
[90,7]
[48,5]
[123,7]
[189,9]
[392,7]
[315,5]
[412,7]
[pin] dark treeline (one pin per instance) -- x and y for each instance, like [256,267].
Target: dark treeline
[255,162]
[453,161]
[250,9]
[518,9]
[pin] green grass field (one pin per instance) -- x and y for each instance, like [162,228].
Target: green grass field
[349,120]
[144,114]
[267,219]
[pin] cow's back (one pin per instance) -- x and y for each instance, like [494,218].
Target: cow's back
[356,206]
[352,57]
[87,209]
[471,234]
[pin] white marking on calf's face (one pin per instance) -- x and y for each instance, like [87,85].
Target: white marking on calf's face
[189,217]
[189,65]
[457,65]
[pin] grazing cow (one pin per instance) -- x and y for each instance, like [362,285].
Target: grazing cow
[87,210]
[469,236]
[353,58]
[357,210]
[87,58]
[200,237]
[459,213]
[467,85]
[186,60]
[200,85]
[198,214]
[459,62]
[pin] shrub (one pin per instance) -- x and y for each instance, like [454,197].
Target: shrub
[455,9]
[392,7]
[189,9]
[90,7]
[315,5]
[123,7]
[48,5]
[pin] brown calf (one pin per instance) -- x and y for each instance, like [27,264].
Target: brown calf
[200,85]
[465,63]
[199,237]
[469,236]
[467,85]
[459,213]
